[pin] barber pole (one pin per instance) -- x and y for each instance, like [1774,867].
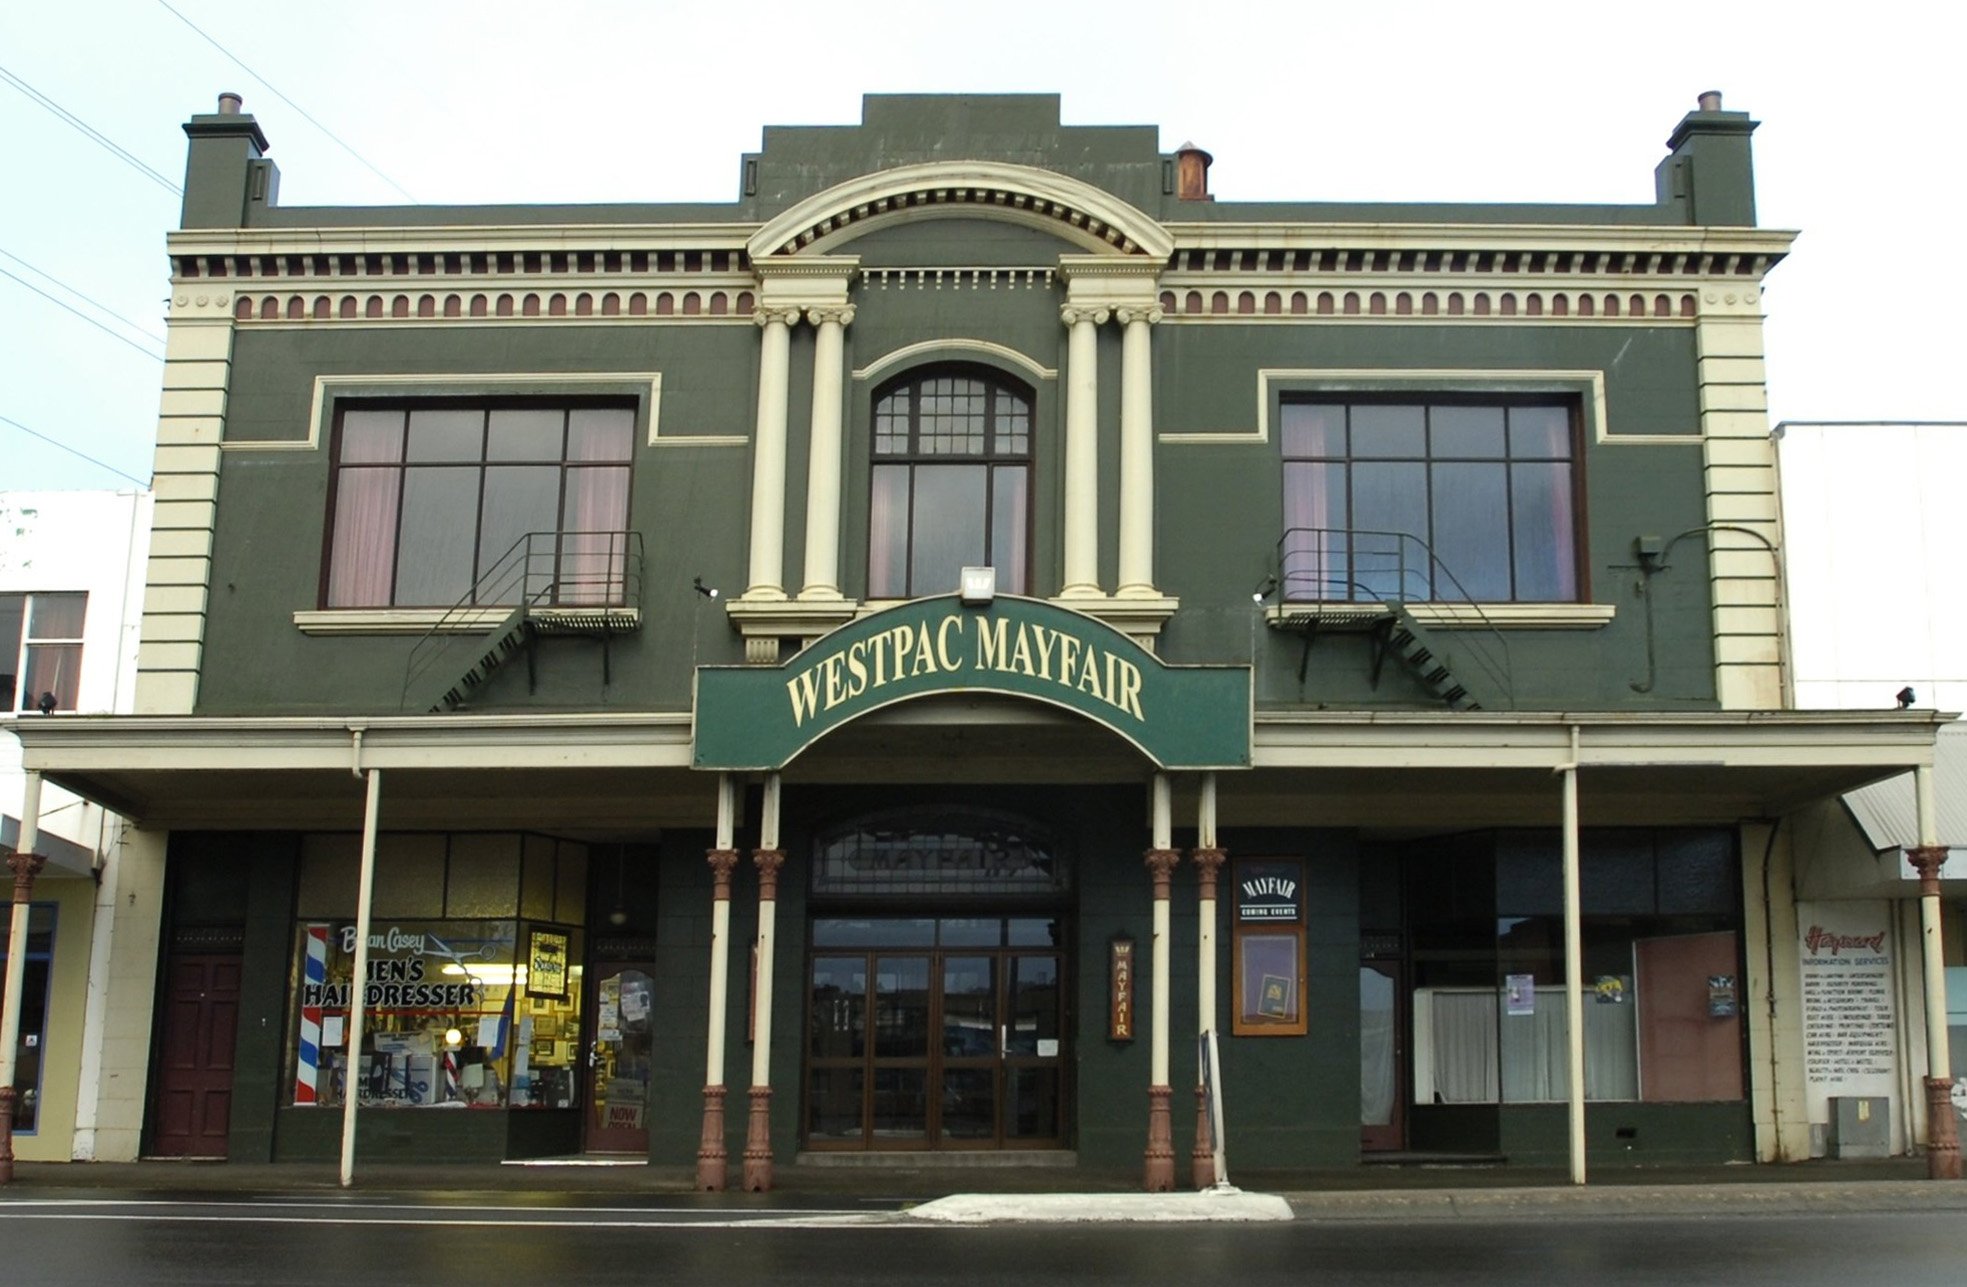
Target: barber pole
[315,982]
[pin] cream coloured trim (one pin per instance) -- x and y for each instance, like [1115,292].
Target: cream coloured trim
[454,239]
[1634,239]
[413,621]
[1040,187]
[1486,380]
[452,382]
[921,350]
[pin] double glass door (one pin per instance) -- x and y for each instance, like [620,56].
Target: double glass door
[949,1035]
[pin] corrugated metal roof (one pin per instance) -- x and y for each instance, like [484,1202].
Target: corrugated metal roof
[1888,813]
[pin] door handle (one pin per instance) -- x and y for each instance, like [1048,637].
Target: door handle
[1003,1041]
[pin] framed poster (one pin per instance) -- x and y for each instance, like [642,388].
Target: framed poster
[546,963]
[1268,948]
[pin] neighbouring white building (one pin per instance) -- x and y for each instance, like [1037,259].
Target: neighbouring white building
[71,601]
[1872,525]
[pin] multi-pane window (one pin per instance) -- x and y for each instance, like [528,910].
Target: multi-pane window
[1445,499]
[432,502]
[952,483]
[41,650]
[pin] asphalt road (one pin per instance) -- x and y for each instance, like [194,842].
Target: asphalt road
[382,1242]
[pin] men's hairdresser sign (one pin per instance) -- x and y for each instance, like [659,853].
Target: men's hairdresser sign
[1181,717]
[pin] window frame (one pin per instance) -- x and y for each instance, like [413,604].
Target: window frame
[1431,398]
[996,384]
[24,697]
[486,407]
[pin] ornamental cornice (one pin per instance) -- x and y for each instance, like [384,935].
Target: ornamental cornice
[462,239]
[1077,211]
[1521,298]
[311,301]
[1335,246]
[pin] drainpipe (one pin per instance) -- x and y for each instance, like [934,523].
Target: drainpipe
[1574,1001]
[26,865]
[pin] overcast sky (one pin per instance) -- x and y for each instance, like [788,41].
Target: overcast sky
[1860,145]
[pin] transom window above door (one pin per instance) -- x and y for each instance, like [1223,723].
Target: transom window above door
[952,482]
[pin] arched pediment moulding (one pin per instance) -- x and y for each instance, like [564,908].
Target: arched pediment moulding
[1077,212]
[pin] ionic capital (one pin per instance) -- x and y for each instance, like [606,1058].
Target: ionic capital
[1074,314]
[782,316]
[819,314]
[1151,314]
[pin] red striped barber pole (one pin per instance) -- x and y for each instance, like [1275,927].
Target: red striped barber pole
[313,983]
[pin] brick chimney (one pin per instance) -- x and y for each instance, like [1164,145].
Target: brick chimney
[1192,173]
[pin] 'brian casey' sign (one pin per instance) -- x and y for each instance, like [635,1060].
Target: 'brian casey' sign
[1193,717]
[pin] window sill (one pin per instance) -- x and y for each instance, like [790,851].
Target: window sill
[1459,616]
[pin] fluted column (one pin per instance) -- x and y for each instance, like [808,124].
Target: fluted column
[712,1157]
[1137,452]
[767,579]
[25,865]
[823,463]
[1942,1137]
[1082,452]
[769,859]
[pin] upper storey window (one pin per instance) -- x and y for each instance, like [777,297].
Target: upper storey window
[952,483]
[433,501]
[41,650]
[1446,499]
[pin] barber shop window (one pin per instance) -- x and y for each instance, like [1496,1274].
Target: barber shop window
[1430,500]
[41,650]
[952,482]
[439,503]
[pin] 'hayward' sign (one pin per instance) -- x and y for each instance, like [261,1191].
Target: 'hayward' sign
[1181,717]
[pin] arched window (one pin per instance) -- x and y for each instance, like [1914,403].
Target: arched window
[952,482]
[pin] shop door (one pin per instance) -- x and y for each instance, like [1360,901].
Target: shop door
[193,1108]
[957,1049]
[620,1057]
[1382,1062]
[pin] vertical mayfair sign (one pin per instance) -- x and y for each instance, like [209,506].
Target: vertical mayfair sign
[1180,717]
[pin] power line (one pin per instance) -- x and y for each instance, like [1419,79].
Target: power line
[288,101]
[55,442]
[88,131]
[155,357]
[144,331]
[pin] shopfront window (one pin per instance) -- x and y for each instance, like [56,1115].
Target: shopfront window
[34,1011]
[1662,974]
[473,995]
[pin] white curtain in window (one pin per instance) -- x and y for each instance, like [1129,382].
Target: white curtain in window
[1464,1046]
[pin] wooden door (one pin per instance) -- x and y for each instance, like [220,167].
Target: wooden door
[193,1108]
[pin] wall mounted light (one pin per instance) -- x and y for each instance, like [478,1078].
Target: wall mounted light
[977,587]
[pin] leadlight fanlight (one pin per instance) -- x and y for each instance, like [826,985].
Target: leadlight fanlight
[951,485]
[940,852]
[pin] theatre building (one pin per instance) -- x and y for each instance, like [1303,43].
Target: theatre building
[885,664]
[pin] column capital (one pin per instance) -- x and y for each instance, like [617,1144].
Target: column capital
[722,863]
[25,866]
[786,315]
[819,314]
[1927,861]
[1161,865]
[769,861]
[1074,314]
[1128,314]
[1208,864]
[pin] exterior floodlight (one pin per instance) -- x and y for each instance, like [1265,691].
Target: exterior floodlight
[977,587]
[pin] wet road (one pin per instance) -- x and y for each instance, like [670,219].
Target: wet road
[370,1240]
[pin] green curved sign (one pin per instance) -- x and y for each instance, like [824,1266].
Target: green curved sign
[1180,717]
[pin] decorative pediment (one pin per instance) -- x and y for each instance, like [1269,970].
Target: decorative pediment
[1094,220]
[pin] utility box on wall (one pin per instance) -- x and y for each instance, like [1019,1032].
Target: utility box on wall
[1860,1126]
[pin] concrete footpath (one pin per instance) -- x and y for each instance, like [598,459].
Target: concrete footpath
[1054,1194]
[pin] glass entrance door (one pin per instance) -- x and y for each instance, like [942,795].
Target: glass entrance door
[620,1058]
[956,1045]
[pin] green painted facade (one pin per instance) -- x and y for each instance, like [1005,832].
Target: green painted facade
[1218,513]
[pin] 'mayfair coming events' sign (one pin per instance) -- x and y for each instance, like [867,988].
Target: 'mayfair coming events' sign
[1181,717]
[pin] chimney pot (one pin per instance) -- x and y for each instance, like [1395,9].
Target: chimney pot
[1192,173]
[1711,100]
[229,104]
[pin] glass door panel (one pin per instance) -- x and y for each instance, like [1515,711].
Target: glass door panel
[1032,1049]
[621,1060]
[971,1036]
[836,1050]
[898,1107]
[1380,1073]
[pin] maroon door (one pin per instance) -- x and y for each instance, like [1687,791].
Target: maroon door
[194,1082]
[620,1057]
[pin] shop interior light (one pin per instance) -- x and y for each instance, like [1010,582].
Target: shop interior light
[453,1038]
